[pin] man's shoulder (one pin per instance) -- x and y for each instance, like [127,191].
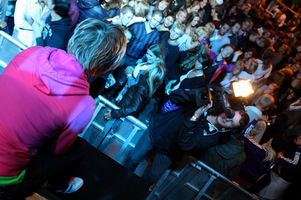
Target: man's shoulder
[155,32]
[136,24]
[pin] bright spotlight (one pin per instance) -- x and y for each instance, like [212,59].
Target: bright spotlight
[242,88]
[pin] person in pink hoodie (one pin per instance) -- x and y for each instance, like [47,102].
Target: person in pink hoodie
[45,104]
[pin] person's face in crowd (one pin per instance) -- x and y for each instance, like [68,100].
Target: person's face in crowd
[295,66]
[235,28]
[224,122]
[150,57]
[128,36]
[245,26]
[49,4]
[224,29]
[195,21]
[168,21]
[233,10]
[126,18]
[248,64]
[163,5]
[203,3]
[181,17]
[237,69]
[260,42]
[226,52]
[195,8]
[248,55]
[246,10]
[269,90]
[254,38]
[137,6]
[240,3]
[155,21]
[203,36]
[124,2]
[212,3]
[267,34]
[175,33]
[44,2]
[213,13]
[249,27]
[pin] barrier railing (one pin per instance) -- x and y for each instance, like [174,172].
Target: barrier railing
[115,137]
[9,47]
[197,181]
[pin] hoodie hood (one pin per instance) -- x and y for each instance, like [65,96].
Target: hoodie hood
[87,4]
[58,73]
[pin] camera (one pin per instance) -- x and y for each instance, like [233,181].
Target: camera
[203,96]
[220,102]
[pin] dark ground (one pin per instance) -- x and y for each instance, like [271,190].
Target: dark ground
[105,179]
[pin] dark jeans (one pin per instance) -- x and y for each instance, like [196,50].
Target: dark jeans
[159,165]
[43,167]
[143,146]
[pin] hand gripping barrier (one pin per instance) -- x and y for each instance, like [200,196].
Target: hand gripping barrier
[115,137]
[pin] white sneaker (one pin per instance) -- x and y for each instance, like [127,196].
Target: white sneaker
[75,183]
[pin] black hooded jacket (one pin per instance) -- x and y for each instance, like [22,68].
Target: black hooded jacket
[56,33]
[91,9]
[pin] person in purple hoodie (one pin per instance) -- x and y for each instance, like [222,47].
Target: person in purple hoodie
[45,104]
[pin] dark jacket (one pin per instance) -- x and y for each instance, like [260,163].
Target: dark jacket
[56,33]
[226,158]
[175,126]
[91,9]
[134,100]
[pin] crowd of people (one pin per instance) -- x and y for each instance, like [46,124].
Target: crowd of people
[177,53]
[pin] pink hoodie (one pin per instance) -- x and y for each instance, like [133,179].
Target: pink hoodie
[44,99]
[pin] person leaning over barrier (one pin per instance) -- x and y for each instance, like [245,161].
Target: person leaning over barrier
[189,128]
[45,104]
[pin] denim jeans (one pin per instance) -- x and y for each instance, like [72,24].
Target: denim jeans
[160,164]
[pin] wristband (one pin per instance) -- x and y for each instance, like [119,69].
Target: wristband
[194,118]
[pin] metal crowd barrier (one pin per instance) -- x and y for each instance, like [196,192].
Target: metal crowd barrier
[197,181]
[194,181]
[115,137]
[9,47]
